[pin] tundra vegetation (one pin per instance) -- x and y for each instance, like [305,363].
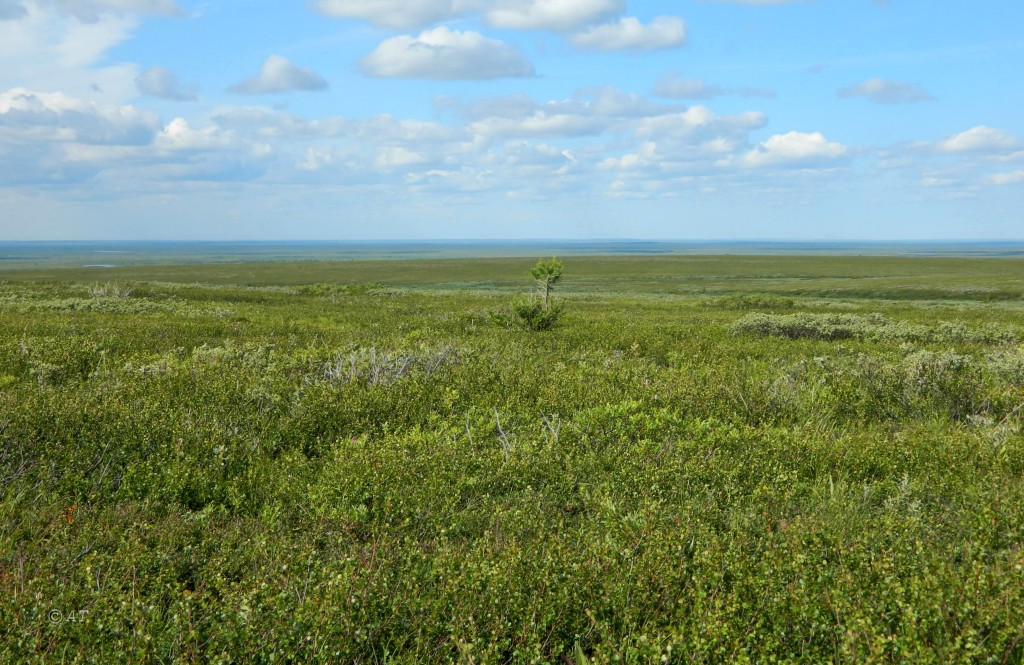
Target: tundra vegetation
[707,459]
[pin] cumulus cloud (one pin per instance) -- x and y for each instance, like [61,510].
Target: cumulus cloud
[673,85]
[979,139]
[699,122]
[444,54]
[279,74]
[882,91]
[1011,178]
[794,149]
[179,136]
[27,115]
[629,33]
[162,82]
[552,14]
[589,112]
[402,14]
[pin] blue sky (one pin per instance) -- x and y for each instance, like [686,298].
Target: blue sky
[379,119]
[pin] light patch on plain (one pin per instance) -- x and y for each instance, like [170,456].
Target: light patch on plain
[630,34]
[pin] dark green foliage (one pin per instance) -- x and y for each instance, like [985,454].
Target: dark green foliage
[364,474]
[546,274]
[534,316]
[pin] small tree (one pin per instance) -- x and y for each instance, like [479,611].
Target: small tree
[546,273]
[531,313]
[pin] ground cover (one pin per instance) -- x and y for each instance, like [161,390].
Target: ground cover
[707,459]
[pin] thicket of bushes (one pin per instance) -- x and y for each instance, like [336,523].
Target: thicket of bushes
[370,476]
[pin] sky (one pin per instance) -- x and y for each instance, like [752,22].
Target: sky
[493,119]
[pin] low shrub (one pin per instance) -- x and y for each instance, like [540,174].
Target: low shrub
[871,326]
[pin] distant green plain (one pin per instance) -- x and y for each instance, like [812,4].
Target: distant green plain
[857,277]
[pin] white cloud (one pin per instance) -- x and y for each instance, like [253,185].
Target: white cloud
[673,85]
[552,14]
[613,103]
[629,33]
[179,136]
[590,112]
[89,11]
[27,115]
[882,91]
[162,82]
[647,154]
[380,130]
[698,123]
[401,14]
[56,51]
[397,157]
[279,74]
[540,124]
[444,54]
[1011,178]
[794,149]
[979,139]
[507,106]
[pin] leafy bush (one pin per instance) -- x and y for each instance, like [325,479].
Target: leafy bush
[870,326]
[811,326]
[533,316]
[110,290]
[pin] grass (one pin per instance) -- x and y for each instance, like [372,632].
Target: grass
[708,459]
